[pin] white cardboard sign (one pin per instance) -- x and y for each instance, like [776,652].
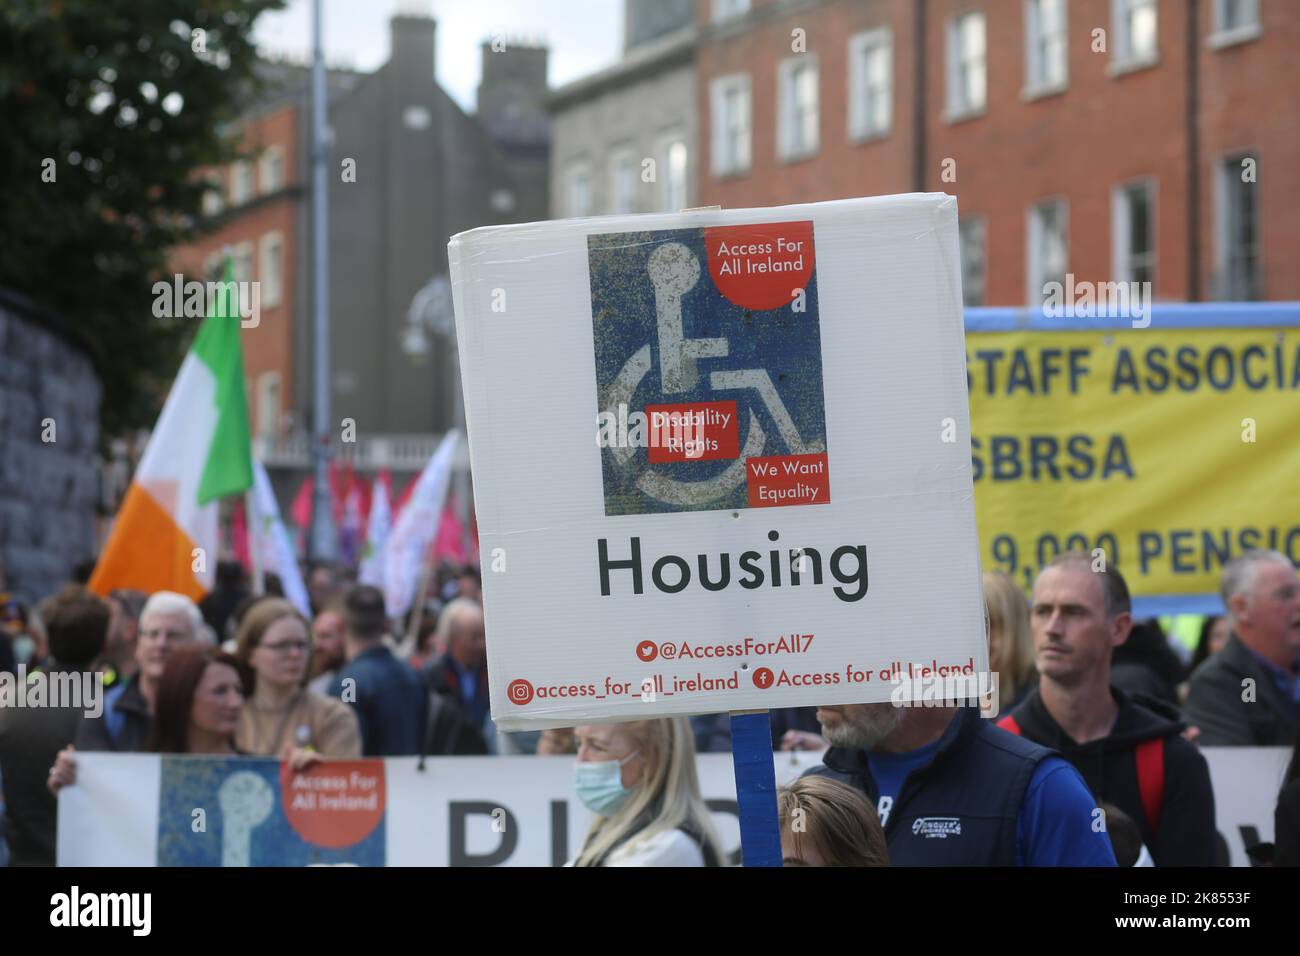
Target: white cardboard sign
[721,459]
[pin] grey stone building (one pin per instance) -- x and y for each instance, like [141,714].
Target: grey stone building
[623,140]
[49,430]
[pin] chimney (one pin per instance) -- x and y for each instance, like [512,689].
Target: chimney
[412,44]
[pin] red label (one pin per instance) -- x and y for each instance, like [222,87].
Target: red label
[762,265]
[698,431]
[336,803]
[788,480]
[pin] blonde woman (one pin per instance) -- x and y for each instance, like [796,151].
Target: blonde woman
[282,718]
[639,780]
[1011,644]
[828,823]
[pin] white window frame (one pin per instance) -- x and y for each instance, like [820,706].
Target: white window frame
[268,418]
[964,227]
[272,158]
[1227,179]
[669,202]
[1035,268]
[270,268]
[242,183]
[1224,35]
[575,171]
[729,9]
[878,42]
[242,261]
[1037,82]
[959,107]
[622,160]
[787,106]
[725,161]
[1121,251]
[1123,58]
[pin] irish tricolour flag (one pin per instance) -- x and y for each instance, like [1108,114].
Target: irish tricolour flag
[165,535]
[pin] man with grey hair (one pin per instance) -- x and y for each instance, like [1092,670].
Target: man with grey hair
[1249,693]
[953,790]
[458,682]
[167,621]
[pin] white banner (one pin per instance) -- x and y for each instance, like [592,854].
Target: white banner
[728,450]
[377,528]
[271,540]
[147,810]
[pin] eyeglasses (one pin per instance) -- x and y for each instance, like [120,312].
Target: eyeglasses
[286,647]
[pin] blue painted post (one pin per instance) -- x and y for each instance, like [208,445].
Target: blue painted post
[751,752]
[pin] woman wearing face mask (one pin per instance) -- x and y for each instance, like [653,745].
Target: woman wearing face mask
[639,780]
[199,699]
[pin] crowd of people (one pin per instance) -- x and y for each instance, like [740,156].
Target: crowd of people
[1094,761]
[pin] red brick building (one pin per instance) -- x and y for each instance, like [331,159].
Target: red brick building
[1104,138]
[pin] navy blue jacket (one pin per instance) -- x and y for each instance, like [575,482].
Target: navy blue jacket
[978,777]
[389,699]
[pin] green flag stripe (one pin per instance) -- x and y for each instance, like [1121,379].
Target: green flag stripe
[229,467]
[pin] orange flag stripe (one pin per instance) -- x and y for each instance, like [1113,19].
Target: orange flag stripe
[147,550]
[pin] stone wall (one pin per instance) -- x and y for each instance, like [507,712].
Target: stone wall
[48,489]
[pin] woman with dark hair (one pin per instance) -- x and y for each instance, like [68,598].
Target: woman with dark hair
[200,698]
[1286,818]
[196,709]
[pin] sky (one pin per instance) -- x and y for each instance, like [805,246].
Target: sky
[583,35]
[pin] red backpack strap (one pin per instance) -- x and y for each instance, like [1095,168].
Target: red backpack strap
[1009,723]
[1150,756]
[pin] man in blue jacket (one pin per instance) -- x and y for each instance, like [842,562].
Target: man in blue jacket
[387,695]
[951,789]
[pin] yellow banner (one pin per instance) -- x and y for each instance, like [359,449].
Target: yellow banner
[1173,450]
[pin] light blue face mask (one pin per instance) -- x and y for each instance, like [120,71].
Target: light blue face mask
[600,785]
[24,648]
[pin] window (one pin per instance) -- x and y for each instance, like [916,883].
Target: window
[268,404]
[213,266]
[870,83]
[271,268]
[967,79]
[578,189]
[213,200]
[1133,225]
[1045,45]
[1048,248]
[1135,33]
[241,182]
[797,107]
[622,182]
[1237,237]
[727,9]
[1235,21]
[242,260]
[672,174]
[272,171]
[731,129]
[971,235]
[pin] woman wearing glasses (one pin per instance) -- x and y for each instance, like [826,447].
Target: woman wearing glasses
[282,718]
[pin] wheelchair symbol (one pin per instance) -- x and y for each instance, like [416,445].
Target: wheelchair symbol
[674,271]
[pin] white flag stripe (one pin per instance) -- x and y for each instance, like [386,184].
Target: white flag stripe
[271,541]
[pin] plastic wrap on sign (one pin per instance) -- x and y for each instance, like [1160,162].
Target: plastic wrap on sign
[721,458]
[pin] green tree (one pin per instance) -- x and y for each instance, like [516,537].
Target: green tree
[110,108]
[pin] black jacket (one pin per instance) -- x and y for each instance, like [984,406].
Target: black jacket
[454,728]
[30,738]
[1215,705]
[125,726]
[1286,824]
[1185,835]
